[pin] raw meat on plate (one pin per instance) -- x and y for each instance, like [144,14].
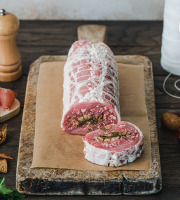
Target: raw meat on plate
[7,97]
[114,144]
[91,88]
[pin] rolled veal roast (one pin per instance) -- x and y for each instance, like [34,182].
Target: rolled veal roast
[114,144]
[91,88]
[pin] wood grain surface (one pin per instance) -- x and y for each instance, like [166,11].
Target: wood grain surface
[37,38]
[77,182]
[92,33]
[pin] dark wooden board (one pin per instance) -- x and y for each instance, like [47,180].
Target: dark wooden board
[75,182]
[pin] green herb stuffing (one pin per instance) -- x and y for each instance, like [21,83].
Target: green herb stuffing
[10,194]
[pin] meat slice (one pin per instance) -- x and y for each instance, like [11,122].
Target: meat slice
[7,97]
[91,88]
[114,144]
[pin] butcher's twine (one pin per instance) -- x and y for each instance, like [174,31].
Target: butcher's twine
[175,85]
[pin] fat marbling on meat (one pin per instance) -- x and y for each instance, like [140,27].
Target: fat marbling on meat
[114,144]
[90,89]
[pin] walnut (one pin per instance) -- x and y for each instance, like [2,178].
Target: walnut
[5,155]
[3,162]
[89,118]
[3,133]
[113,136]
[80,119]
[3,166]
[171,120]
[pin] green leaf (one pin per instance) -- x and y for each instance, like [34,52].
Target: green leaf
[3,188]
[17,194]
[10,198]
[8,193]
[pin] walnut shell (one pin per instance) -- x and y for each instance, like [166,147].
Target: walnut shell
[171,120]
[3,133]
[3,166]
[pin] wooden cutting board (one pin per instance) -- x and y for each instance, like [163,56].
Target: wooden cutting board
[73,182]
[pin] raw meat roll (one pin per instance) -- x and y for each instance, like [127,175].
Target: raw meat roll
[91,88]
[114,144]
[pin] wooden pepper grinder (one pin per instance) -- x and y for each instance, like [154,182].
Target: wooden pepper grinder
[10,60]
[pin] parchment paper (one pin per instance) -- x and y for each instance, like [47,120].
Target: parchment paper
[55,149]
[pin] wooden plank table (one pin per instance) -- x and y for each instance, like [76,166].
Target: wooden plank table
[38,38]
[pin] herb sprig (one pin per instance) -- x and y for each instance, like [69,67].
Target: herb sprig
[9,194]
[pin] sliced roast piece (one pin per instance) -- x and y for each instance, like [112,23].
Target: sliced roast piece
[91,88]
[114,144]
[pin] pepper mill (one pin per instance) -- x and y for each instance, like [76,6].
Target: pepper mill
[10,60]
